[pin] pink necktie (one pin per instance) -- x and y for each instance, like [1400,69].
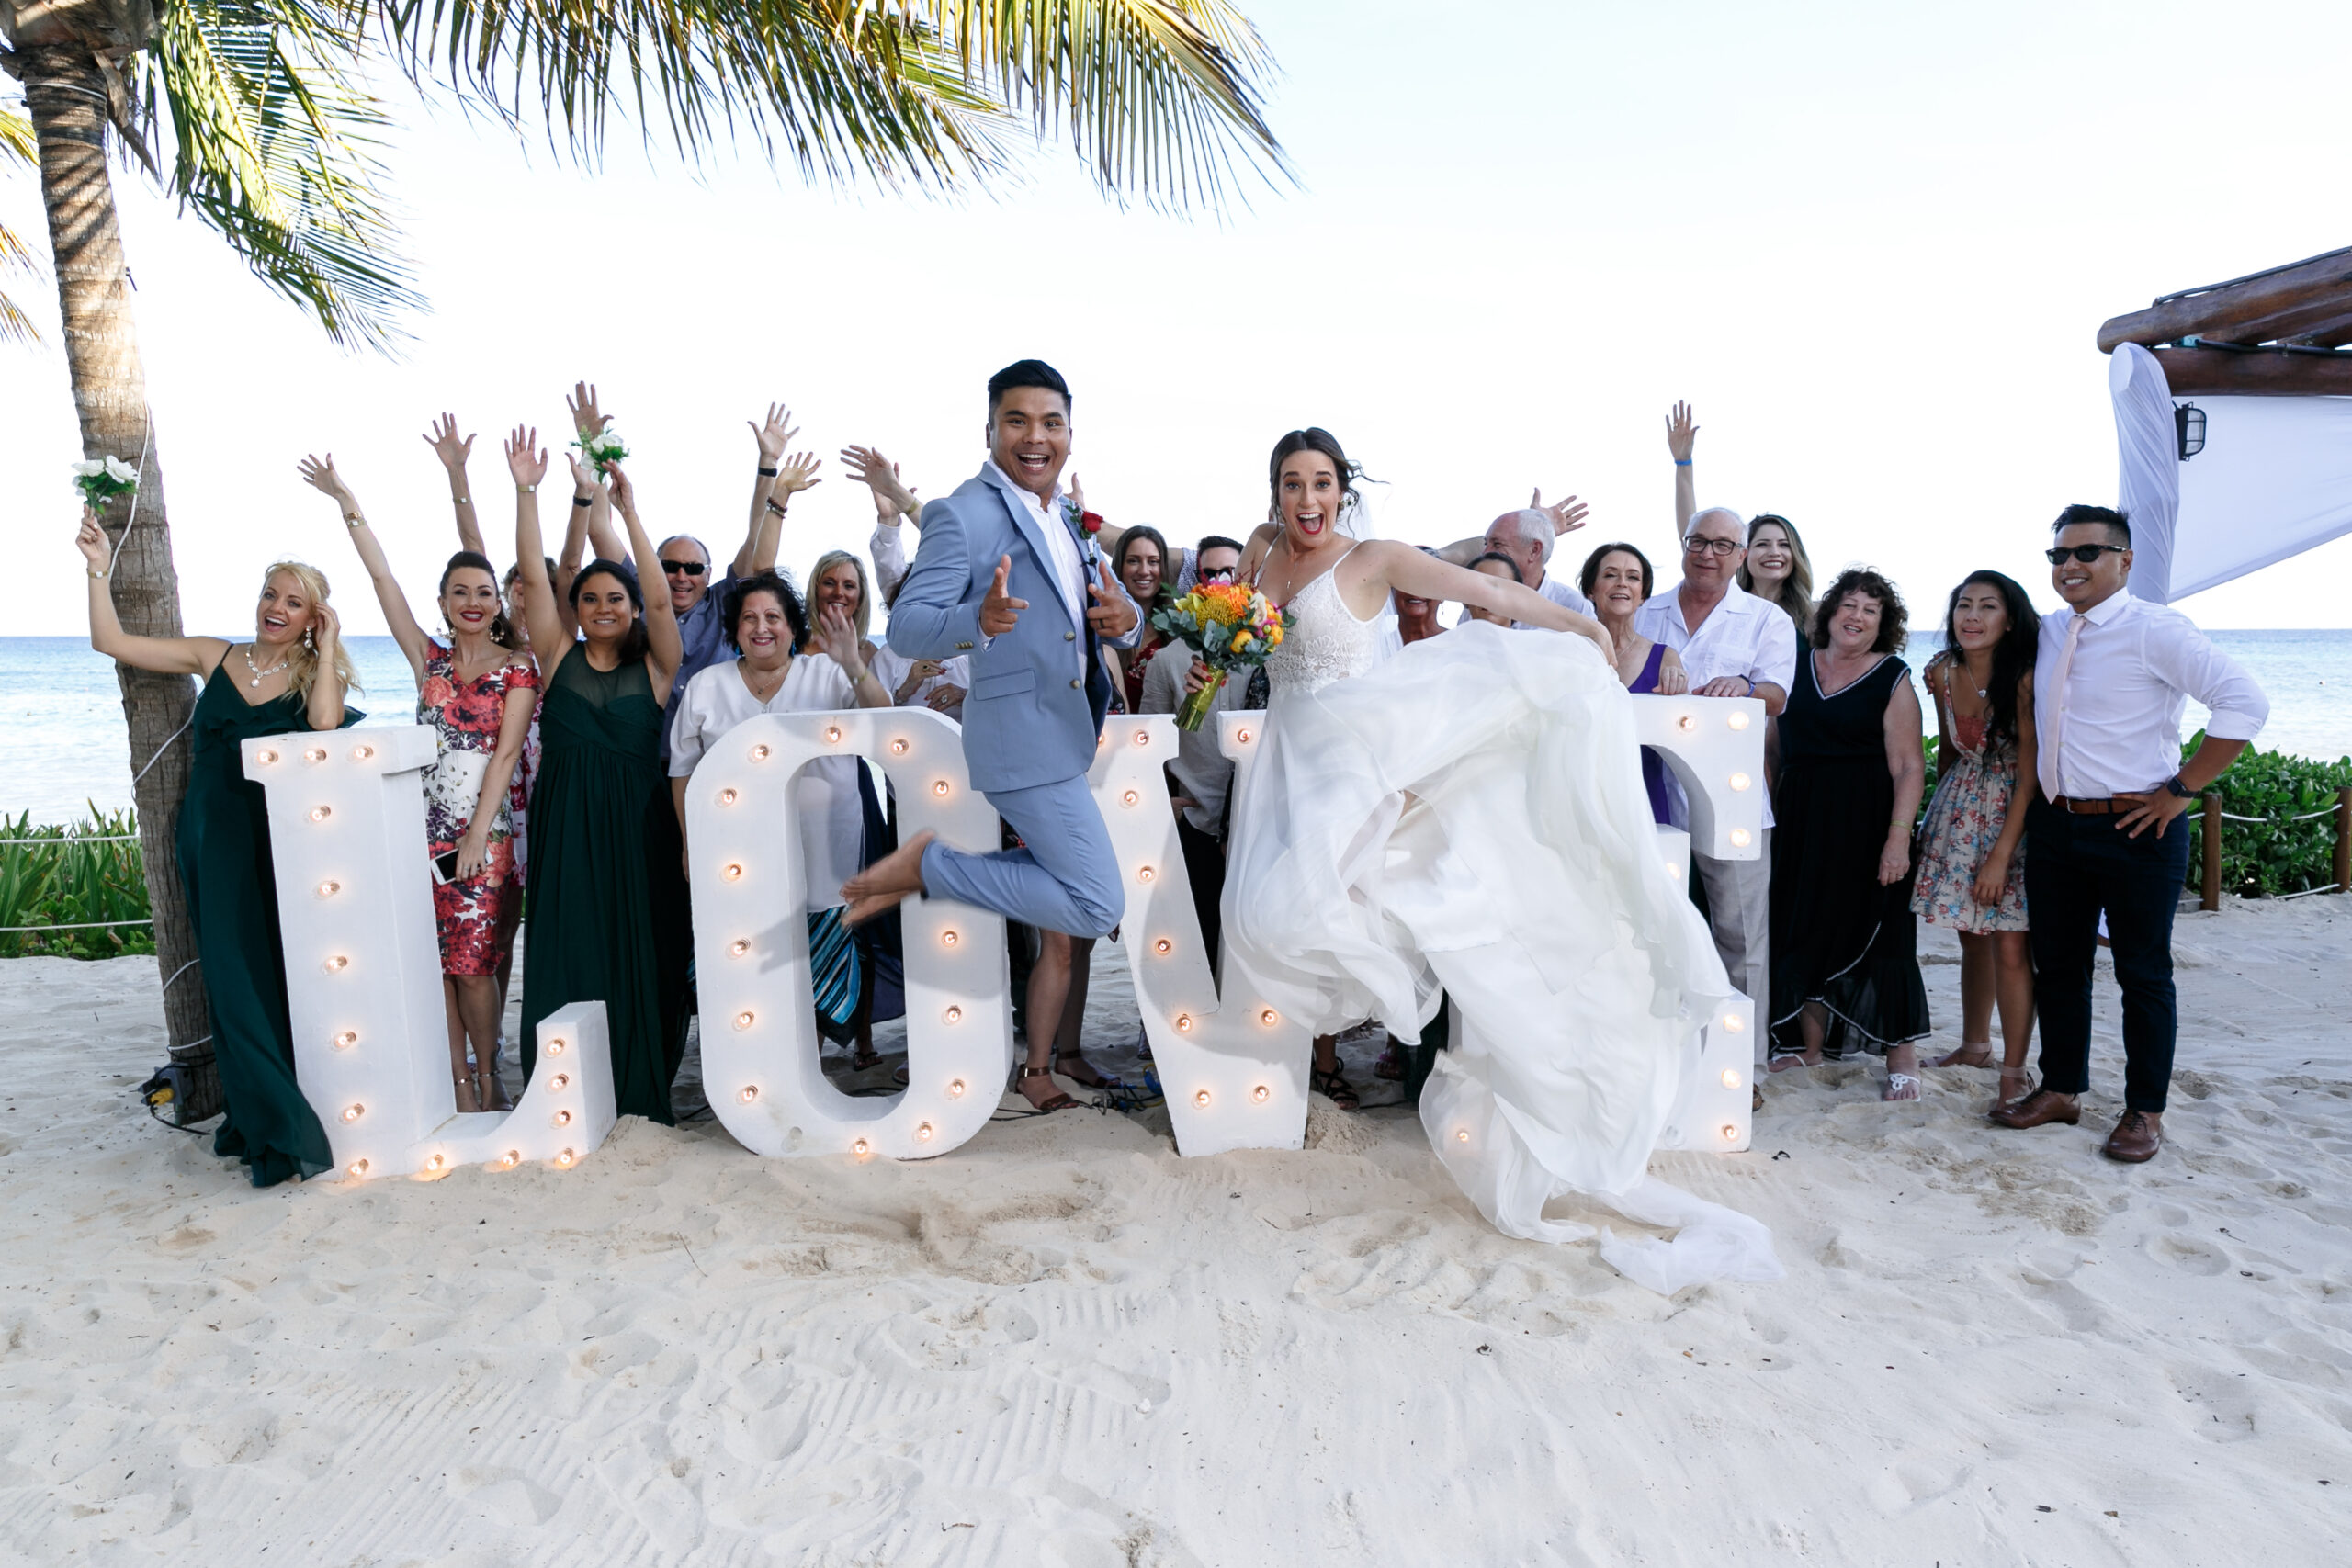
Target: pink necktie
[2051,779]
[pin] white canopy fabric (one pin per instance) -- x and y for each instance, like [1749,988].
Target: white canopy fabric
[2274,480]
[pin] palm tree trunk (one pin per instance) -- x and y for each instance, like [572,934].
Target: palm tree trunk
[66,97]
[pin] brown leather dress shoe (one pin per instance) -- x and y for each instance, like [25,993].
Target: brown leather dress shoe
[2136,1138]
[2039,1107]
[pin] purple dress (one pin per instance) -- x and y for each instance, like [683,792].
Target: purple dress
[1653,765]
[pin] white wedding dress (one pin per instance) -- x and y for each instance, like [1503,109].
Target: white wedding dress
[1469,814]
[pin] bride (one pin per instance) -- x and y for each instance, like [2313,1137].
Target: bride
[1467,820]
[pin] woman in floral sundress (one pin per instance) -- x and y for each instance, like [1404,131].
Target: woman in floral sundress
[1972,861]
[479,693]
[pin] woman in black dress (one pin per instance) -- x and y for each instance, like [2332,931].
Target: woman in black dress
[291,677]
[1845,967]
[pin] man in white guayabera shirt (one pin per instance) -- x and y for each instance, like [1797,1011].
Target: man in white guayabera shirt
[1734,645]
[2106,833]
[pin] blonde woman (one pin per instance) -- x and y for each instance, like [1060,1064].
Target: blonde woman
[1777,566]
[838,582]
[291,676]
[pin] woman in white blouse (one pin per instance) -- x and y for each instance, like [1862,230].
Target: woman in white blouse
[765,622]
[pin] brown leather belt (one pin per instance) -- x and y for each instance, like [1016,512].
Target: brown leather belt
[2103,806]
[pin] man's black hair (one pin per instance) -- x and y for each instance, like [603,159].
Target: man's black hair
[1218,542]
[2118,523]
[1026,373]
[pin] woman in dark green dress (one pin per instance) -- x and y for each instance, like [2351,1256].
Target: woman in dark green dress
[291,677]
[608,892]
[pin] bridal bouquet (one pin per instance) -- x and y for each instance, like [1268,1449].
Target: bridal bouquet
[602,449]
[104,478]
[1231,627]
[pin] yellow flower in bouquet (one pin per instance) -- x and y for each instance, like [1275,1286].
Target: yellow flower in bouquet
[1231,627]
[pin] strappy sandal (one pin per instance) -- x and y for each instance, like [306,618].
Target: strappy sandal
[1059,1102]
[861,1057]
[1332,1087]
[1977,1053]
[1900,1086]
[1389,1067]
[1783,1061]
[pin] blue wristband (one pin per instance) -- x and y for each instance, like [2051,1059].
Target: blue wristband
[1682,462]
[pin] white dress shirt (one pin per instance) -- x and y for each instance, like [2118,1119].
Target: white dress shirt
[1743,636]
[1069,567]
[1560,590]
[832,820]
[891,669]
[2112,726]
[889,551]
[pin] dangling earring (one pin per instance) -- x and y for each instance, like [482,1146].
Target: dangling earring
[306,639]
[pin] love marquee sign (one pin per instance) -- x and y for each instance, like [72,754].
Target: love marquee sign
[346,814]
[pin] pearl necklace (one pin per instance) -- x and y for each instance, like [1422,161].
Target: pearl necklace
[259,673]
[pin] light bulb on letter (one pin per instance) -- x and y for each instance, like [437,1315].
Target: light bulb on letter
[1739,721]
[1144,873]
[315,754]
[737,948]
[1270,1018]
[744,1020]
[329,889]
[1202,1099]
[361,753]
[897,748]
[565,1159]
[266,756]
[1686,721]
[1163,947]
[436,1163]
[759,753]
[1732,1023]
[560,1119]
[923,1131]
[939,786]
[1739,838]
[559,1083]
[555,1047]
[1143,737]
[1130,797]
[833,734]
[1740,780]
[727,798]
[357,1168]
[1243,736]
[346,1040]
[956,1088]
[320,813]
[751,1092]
[1461,1134]
[858,1148]
[354,1112]
[1260,1094]
[947,938]
[953,1015]
[1183,1024]
[1730,1133]
[1731,1077]
[732,871]
[338,964]
[514,1159]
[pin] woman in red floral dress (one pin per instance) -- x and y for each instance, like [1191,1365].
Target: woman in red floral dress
[479,695]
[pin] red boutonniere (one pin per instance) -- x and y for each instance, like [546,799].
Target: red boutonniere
[1087,523]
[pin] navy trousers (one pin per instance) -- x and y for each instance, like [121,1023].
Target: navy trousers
[2076,867]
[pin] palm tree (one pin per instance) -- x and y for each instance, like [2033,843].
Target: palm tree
[272,131]
[16,147]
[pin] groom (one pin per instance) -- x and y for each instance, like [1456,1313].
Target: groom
[1003,574]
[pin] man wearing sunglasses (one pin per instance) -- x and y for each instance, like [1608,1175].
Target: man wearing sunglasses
[2104,834]
[1734,645]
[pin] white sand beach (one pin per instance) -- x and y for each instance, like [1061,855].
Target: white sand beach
[1063,1343]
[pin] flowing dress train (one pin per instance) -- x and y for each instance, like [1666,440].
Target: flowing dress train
[1468,816]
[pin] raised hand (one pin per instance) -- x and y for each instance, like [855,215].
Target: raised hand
[1111,615]
[1567,515]
[878,474]
[794,475]
[623,492]
[840,641]
[326,628]
[526,458]
[320,475]
[1680,433]
[583,473]
[1077,491]
[1001,610]
[586,417]
[775,435]
[442,436]
[91,540]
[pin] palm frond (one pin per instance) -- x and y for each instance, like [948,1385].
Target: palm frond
[1157,95]
[1161,96]
[275,142]
[17,146]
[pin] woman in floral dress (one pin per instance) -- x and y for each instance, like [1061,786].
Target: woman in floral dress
[1972,862]
[479,693]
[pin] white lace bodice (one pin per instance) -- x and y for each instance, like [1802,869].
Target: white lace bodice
[1327,643]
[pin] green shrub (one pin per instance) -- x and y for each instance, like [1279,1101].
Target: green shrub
[54,881]
[2275,855]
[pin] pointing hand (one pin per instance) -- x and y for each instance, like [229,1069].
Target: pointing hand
[999,610]
[1112,615]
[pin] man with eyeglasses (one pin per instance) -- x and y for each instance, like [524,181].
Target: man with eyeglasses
[1734,645]
[2105,835]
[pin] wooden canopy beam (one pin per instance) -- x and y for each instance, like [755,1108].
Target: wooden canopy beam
[2262,373]
[2333,333]
[2226,310]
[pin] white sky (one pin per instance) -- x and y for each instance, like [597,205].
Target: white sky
[1871,243]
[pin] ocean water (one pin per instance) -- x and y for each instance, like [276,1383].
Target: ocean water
[66,747]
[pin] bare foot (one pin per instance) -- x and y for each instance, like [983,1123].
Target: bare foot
[467,1104]
[1979,1055]
[888,883]
[1789,1061]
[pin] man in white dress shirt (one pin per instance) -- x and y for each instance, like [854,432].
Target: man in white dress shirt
[1732,645]
[1526,538]
[2106,834]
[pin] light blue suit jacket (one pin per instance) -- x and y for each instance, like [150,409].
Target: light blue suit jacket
[1036,701]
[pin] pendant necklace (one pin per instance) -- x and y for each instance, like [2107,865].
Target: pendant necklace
[259,673]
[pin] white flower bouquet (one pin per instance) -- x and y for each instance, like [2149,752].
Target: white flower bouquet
[602,449]
[101,481]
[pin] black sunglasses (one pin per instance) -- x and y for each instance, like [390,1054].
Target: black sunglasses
[691,568]
[2083,553]
[1217,574]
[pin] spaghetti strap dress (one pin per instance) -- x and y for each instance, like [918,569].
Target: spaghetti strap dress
[1837,936]
[231,884]
[1653,765]
[1965,820]
[608,897]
